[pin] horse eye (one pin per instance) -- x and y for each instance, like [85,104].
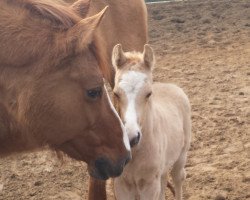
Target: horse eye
[148,95]
[94,93]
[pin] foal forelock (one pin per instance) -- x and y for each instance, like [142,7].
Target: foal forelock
[125,135]
[131,83]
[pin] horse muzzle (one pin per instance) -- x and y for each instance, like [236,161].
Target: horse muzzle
[103,168]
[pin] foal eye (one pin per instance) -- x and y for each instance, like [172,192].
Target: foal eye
[148,95]
[94,93]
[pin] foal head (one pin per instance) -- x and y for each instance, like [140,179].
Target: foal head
[133,88]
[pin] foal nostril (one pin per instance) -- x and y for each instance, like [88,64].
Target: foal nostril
[135,140]
[139,136]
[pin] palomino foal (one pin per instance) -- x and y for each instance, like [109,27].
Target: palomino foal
[160,115]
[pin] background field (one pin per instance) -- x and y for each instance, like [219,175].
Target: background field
[204,47]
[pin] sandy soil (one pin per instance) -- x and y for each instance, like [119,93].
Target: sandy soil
[204,47]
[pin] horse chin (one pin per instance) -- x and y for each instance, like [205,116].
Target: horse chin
[99,169]
[97,174]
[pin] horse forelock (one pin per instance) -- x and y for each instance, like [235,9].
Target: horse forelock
[134,61]
[56,12]
[41,24]
[134,56]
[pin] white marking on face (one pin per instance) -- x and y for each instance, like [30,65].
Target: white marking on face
[131,83]
[125,135]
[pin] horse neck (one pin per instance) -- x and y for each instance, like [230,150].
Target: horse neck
[11,138]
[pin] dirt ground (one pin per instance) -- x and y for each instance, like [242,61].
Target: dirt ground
[204,47]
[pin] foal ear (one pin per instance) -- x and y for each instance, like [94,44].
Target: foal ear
[118,56]
[81,7]
[82,33]
[148,56]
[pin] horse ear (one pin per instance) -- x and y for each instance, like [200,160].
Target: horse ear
[118,56]
[81,7]
[148,56]
[82,33]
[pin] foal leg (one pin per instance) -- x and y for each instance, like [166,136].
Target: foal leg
[97,189]
[179,175]
[151,190]
[163,186]
[123,190]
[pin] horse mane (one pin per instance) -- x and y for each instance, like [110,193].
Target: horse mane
[96,47]
[59,15]
[134,56]
[57,12]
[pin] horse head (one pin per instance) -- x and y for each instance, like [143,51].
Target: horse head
[133,88]
[50,69]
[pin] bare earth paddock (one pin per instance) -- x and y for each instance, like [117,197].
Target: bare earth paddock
[204,47]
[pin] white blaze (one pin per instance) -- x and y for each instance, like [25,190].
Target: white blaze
[125,135]
[131,83]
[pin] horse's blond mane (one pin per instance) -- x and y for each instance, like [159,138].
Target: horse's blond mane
[134,56]
[134,61]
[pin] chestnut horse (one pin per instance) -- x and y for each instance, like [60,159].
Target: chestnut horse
[160,115]
[51,85]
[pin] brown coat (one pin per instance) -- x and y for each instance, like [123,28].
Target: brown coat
[51,86]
